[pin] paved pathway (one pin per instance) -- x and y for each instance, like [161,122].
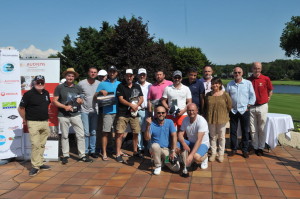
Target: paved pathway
[276,175]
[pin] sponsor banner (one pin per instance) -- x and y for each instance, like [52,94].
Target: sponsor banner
[10,96]
[51,149]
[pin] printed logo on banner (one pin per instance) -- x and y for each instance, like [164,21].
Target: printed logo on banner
[9,105]
[7,68]
[13,128]
[13,81]
[2,140]
[9,94]
[12,117]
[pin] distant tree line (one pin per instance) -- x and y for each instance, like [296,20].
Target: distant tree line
[127,44]
[276,70]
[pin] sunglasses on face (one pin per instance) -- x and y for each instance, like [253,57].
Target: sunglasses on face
[161,113]
[237,72]
[40,83]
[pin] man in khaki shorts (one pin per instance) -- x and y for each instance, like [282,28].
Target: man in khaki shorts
[130,97]
[34,111]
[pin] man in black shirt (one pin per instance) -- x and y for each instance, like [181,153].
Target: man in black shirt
[34,111]
[130,97]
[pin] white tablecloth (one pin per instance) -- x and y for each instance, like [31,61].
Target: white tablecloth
[276,124]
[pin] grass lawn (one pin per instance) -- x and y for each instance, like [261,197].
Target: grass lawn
[278,82]
[287,104]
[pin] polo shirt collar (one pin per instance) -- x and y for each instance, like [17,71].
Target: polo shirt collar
[66,85]
[180,86]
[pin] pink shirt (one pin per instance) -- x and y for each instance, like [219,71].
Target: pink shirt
[156,90]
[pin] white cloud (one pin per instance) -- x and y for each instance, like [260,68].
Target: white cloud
[32,51]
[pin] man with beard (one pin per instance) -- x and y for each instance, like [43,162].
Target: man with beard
[130,98]
[109,111]
[157,89]
[207,77]
[162,135]
[89,111]
[68,98]
[34,111]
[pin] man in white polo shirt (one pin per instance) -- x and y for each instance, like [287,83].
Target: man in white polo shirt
[178,97]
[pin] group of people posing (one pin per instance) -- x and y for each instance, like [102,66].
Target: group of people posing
[176,121]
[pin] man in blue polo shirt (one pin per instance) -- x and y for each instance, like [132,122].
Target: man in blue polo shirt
[109,112]
[197,88]
[159,132]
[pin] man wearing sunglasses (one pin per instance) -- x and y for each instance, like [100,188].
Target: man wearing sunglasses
[34,111]
[162,135]
[175,99]
[242,95]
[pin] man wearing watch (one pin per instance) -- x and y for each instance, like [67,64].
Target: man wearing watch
[159,132]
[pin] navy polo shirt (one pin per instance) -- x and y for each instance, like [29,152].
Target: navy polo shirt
[197,88]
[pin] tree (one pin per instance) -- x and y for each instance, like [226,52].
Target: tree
[290,37]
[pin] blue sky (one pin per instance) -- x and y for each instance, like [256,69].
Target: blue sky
[227,31]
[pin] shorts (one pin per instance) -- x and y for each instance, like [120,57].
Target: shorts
[133,122]
[109,122]
[202,150]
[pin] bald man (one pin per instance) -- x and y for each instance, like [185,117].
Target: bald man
[242,95]
[195,147]
[258,112]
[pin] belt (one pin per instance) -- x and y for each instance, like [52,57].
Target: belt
[142,109]
[259,104]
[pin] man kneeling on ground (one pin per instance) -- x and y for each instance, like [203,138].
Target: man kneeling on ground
[159,132]
[195,148]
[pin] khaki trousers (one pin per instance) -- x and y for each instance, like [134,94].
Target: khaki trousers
[39,132]
[76,122]
[258,118]
[217,132]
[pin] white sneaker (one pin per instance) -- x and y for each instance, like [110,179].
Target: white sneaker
[204,164]
[185,171]
[157,170]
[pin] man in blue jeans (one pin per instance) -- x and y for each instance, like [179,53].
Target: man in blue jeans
[89,111]
[242,95]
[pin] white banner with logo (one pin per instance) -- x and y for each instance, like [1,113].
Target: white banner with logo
[10,96]
[49,68]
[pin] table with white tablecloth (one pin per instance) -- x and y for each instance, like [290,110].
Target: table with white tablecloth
[276,124]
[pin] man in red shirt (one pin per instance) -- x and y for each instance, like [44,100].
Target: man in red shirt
[258,112]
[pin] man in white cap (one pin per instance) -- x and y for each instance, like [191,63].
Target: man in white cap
[68,98]
[130,98]
[102,75]
[89,111]
[143,111]
[176,98]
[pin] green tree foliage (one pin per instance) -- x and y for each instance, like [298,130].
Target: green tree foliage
[127,44]
[290,37]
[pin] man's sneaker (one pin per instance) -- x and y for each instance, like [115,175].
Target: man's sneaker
[260,152]
[45,167]
[157,171]
[221,158]
[85,159]
[138,154]
[33,172]
[185,172]
[204,164]
[94,155]
[119,158]
[64,160]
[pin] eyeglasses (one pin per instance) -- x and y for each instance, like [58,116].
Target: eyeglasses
[177,77]
[40,83]
[161,113]
[237,72]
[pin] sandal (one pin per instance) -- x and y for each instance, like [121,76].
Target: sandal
[124,154]
[104,158]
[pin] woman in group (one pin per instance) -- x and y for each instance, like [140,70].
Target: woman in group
[217,108]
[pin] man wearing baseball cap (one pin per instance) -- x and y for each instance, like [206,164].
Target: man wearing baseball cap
[34,111]
[178,97]
[143,111]
[102,75]
[108,112]
[130,98]
[68,100]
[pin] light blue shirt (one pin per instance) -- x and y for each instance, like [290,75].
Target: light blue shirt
[241,95]
[109,87]
[161,134]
